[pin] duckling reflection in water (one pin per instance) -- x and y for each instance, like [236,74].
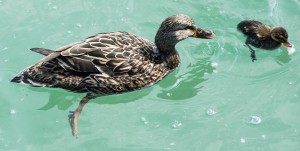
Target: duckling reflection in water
[263,36]
[111,63]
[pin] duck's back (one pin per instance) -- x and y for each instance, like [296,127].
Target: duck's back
[106,63]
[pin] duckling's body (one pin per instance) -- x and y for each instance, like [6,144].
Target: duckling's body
[111,63]
[262,36]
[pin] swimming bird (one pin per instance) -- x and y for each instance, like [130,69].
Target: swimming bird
[111,63]
[263,36]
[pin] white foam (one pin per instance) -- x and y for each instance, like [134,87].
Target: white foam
[291,50]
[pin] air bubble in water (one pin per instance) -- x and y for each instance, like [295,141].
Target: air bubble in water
[12,111]
[172,144]
[210,112]
[79,25]
[255,120]
[243,140]
[144,120]
[169,94]
[214,64]
[176,124]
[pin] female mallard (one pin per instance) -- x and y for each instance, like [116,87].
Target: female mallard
[263,36]
[111,63]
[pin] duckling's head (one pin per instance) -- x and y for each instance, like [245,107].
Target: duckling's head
[176,28]
[279,34]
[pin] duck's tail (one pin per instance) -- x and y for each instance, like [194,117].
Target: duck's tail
[42,51]
[25,77]
[248,26]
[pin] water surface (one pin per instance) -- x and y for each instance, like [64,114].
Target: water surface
[216,100]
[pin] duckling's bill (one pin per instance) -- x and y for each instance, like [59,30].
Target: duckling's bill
[204,34]
[287,44]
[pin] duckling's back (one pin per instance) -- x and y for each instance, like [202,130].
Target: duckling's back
[248,27]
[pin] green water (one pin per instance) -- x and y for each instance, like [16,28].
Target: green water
[216,100]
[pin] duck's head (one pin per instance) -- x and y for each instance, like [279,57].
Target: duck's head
[279,34]
[176,28]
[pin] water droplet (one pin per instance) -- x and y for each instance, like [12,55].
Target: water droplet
[210,112]
[12,111]
[255,120]
[176,124]
[243,140]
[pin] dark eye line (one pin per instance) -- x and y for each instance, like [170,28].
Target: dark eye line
[190,27]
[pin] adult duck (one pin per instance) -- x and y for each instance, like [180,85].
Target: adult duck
[111,63]
[263,36]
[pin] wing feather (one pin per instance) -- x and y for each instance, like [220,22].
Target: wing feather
[109,53]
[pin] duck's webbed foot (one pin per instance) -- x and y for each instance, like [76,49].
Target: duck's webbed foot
[252,51]
[73,116]
[73,122]
[253,56]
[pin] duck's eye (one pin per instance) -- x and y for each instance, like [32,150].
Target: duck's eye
[189,27]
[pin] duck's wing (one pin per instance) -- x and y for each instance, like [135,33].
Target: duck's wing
[107,53]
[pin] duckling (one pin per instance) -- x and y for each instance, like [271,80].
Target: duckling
[111,63]
[263,36]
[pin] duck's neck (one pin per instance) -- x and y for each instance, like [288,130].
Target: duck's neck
[171,59]
[165,42]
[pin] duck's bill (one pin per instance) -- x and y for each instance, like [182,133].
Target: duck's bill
[205,34]
[287,44]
